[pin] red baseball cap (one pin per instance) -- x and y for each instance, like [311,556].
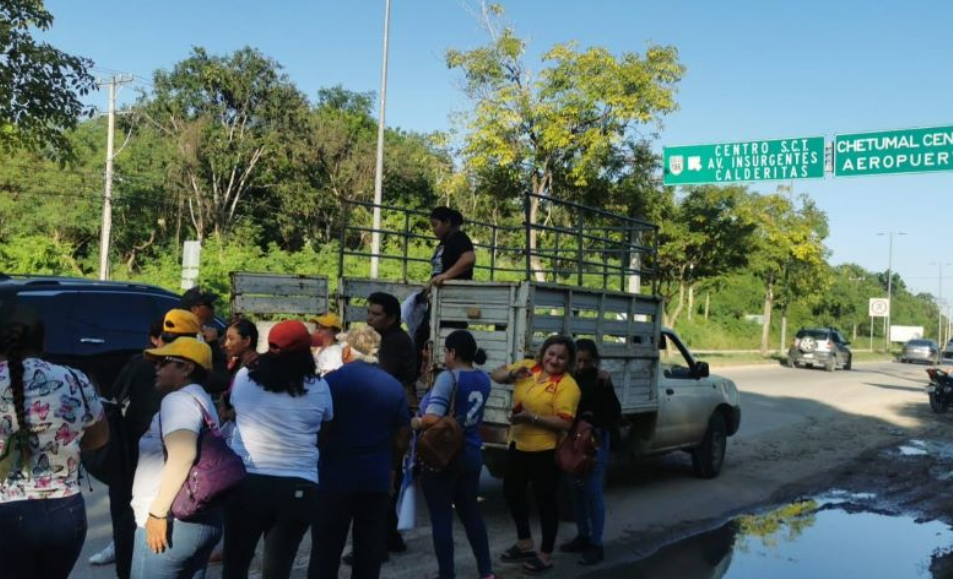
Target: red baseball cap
[289,336]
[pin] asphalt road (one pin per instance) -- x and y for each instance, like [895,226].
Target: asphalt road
[796,424]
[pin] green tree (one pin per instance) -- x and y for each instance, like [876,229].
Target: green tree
[38,197]
[228,115]
[705,235]
[40,86]
[332,159]
[788,254]
[555,133]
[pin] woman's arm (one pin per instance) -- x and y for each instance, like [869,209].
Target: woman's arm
[424,422]
[182,448]
[554,423]
[503,374]
[465,262]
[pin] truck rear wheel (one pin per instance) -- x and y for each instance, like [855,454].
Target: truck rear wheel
[709,456]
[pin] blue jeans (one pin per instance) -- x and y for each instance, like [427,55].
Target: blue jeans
[457,486]
[589,495]
[42,537]
[189,549]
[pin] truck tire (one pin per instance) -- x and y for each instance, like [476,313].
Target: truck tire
[709,456]
[831,364]
[848,363]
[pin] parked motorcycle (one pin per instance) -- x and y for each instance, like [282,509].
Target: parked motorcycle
[940,390]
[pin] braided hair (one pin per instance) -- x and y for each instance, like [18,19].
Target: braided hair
[21,334]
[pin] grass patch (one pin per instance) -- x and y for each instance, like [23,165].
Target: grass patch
[723,359]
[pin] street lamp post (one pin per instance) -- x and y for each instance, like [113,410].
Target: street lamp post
[379,169]
[939,301]
[890,235]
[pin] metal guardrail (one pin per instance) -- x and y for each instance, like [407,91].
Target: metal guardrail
[581,245]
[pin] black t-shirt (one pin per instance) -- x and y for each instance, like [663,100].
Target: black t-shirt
[598,403]
[398,358]
[136,385]
[449,251]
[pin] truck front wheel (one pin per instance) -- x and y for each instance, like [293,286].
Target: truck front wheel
[709,456]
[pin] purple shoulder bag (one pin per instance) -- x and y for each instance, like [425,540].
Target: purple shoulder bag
[216,472]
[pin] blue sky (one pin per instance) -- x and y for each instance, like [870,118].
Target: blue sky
[755,70]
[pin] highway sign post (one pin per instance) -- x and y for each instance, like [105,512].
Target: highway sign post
[900,151]
[779,159]
[877,308]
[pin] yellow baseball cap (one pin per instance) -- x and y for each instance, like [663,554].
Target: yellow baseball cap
[181,322]
[329,320]
[187,348]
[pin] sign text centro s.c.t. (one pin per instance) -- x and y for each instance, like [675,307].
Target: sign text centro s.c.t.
[772,160]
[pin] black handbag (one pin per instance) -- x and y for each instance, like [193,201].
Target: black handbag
[107,464]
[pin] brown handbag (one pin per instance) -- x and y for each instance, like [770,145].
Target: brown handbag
[440,444]
[576,454]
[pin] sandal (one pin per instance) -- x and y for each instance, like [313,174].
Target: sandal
[536,566]
[514,555]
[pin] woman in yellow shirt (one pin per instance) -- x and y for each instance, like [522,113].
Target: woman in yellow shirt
[545,398]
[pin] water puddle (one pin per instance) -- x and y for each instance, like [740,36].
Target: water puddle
[832,536]
[915,447]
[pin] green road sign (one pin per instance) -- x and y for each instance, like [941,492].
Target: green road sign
[780,159]
[900,151]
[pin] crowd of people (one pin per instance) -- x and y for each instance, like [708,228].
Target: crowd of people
[322,421]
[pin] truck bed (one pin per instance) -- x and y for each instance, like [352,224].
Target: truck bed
[511,320]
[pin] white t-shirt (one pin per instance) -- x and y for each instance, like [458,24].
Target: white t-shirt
[329,358]
[179,411]
[277,434]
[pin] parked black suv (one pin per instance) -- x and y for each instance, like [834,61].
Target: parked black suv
[94,326]
[821,347]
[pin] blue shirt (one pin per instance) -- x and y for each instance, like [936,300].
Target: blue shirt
[357,446]
[473,389]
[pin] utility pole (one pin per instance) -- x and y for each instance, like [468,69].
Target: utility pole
[106,231]
[379,171]
[890,235]
[939,304]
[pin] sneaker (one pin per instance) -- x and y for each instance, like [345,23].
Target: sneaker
[577,545]
[105,557]
[593,555]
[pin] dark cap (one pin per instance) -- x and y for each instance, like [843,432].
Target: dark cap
[196,297]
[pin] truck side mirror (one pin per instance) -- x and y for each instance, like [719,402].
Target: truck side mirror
[701,370]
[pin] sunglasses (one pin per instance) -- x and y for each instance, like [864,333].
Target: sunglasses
[170,360]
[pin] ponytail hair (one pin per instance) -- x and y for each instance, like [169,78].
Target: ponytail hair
[465,347]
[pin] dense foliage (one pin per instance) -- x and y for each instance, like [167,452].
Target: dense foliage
[226,149]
